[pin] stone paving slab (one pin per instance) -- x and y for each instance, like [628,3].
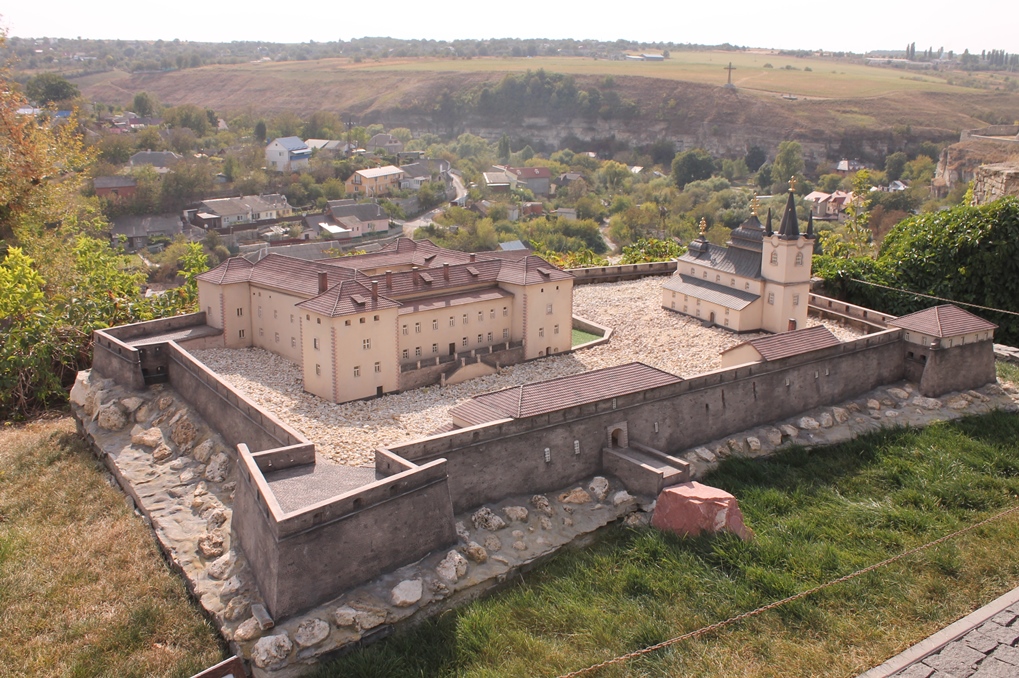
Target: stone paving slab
[980,645]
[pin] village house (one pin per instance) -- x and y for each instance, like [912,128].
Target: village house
[406,316]
[349,219]
[760,281]
[333,147]
[537,179]
[425,170]
[375,181]
[136,230]
[225,214]
[161,161]
[828,206]
[385,144]
[115,188]
[287,154]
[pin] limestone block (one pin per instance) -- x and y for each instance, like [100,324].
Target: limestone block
[485,519]
[210,544]
[692,508]
[238,607]
[408,592]
[721,452]
[808,424]
[492,543]
[735,446]
[873,404]
[203,452]
[519,545]
[183,431]
[545,522]
[516,514]
[898,393]
[753,443]
[248,630]
[926,403]
[218,468]
[789,430]
[704,454]
[599,488]
[826,420]
[217,518]
[575,496]
[541,504]
[621,497]
[165,402]
[220,568]
[93,400]
[311,632]
[841,415]
[271,652]
[231,587]
[370,616]
[476,552]
[345,616]
[111,417]
[162,452]
[152,437]
[452,567]
[131,404]
[773,436]
[639,519]
[80,390]
[891,414]
[960,402]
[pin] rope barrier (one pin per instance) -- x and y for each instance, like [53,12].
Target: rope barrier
[931,296]
[803,594]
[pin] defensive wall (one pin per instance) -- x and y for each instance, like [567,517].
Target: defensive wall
[535,454]
[308,555]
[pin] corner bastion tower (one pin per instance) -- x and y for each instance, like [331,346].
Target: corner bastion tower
[759,281]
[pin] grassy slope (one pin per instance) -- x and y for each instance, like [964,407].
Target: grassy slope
[83,590]
[817,516]
[684,90]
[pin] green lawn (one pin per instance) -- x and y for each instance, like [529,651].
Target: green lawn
[582,337]
[817,516]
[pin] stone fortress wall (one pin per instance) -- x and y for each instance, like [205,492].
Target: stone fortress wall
[312,553]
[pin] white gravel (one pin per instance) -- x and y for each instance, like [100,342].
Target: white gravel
[350,432]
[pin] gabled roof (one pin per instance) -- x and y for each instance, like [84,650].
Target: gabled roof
[727,297]
[787,344]
[138,225]
[530,172]
[530,270]
[349,297]
[291,143]
[734,260]
[943,321]
[114,182]
[233,270]
[373,172]
[155,158]
[365,211]
[541,397]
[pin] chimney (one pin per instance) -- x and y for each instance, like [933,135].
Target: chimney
[389,280]
[445,271]
[375,290]
[323,281]
[417,278]
[473,257]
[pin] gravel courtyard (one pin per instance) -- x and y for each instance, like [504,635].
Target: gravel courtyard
[349,433]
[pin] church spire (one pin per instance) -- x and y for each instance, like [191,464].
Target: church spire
[810,225]
[767,227]
[790,228]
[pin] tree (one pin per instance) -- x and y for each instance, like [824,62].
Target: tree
[144,104]
[692,165]
[188,115]
[895,163]
[754,158]
[504,148]
[188,182]
[260,131]
[47,88]
[788,163]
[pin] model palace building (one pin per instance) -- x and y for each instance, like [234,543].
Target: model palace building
[406,316]
[759,282]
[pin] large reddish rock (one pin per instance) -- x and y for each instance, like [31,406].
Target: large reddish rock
[692,508]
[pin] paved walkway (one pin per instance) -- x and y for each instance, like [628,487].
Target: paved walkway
[980,645]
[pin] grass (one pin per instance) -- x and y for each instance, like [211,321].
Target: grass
[83,589]
[817,516]
[1007,372]
[582,337]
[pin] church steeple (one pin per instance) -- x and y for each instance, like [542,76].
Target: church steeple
[767,227]
[790,228]
[810,225]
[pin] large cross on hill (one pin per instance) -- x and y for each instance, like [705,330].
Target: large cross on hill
[729,68]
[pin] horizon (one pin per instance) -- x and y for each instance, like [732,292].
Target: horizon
[756,28]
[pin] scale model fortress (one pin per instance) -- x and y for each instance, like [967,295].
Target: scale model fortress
[410,315]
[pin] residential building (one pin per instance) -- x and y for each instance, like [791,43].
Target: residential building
[828,206]
[287,154]
[349,219]
[384,144]
[779,346]
[424,170]
[332,146]
[222,214]
[406,316]
[760,281]
[161,161]
[137,230]
[116,188]
[537,179]
[375,181]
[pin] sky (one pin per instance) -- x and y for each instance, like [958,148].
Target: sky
[794,25]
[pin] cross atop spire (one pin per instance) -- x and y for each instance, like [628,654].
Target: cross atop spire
[790,228]
[792,184]
[704,227]
[755,204]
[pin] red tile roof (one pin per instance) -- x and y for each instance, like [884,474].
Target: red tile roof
[529,400]
[943,321]
[787,344]
[531,172]
[347,298]
[233,270]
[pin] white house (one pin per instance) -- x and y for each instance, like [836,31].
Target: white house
[286,154]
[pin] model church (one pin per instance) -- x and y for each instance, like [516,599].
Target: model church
[759,281]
